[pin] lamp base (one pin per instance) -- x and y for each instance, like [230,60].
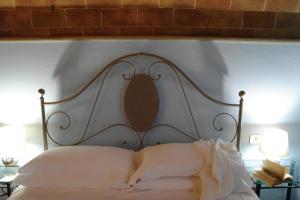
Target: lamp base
[7,161]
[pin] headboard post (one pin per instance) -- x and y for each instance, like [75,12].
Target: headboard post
[239,127]
[42,92]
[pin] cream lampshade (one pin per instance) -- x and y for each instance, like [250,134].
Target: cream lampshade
[12,140]
[275,143]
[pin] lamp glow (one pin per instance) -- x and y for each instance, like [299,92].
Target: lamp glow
[275,143]
[12,140]
[14,111]
[270,108]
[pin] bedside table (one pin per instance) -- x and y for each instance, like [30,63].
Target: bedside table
[289,185]
[259,185]
[7,175]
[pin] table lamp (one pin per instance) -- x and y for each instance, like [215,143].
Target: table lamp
[274,143]
[12,139]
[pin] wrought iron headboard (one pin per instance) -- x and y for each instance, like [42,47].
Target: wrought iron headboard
[151,77]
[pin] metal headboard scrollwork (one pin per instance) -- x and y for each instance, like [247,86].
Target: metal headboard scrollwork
[145,80]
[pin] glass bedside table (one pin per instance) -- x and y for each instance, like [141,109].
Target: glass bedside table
[7,175]
[259,185]
[288,185]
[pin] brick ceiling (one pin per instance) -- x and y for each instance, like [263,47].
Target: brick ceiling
[272,19]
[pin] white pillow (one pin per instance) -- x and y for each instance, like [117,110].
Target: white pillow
[167,160]
[108,164]
[67,181]
[170,183]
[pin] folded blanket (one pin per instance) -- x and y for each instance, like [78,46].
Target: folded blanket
[223,171]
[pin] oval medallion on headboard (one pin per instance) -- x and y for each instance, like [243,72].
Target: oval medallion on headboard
[141,102]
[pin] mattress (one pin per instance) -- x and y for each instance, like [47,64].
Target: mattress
[29,193]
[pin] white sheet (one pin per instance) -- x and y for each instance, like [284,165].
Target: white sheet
[24,193]
[223,172]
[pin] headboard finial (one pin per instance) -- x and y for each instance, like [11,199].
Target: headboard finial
[41,91]
[242,93]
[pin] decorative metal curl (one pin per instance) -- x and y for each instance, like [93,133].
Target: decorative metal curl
[62,127]
[221,128]
[132,66]
[158,76]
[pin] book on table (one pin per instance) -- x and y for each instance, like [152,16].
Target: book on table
[272,173]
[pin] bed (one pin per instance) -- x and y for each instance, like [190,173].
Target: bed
[141,165]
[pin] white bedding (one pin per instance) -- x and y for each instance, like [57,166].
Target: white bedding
[25,193]
[222,176]
[223,173]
